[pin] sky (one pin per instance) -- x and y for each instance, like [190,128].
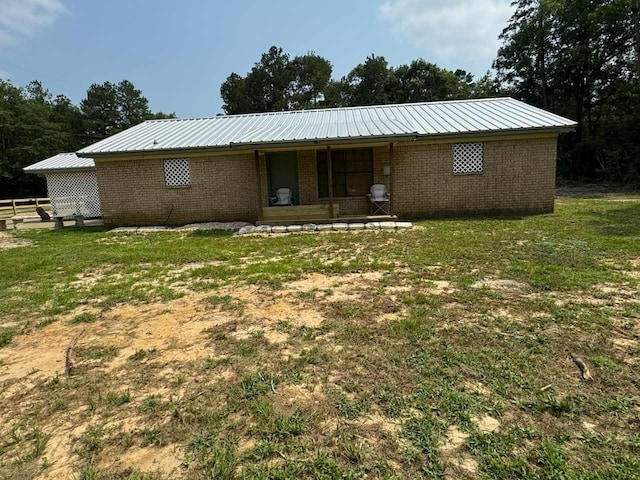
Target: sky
[179,52]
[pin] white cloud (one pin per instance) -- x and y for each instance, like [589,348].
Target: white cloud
[24,18]
[459,32]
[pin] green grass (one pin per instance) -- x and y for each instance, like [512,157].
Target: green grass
[6,335]
[371,391]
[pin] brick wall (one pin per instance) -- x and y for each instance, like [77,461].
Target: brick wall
[133,192]
[518,178]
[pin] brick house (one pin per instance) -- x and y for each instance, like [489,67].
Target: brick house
[468,157]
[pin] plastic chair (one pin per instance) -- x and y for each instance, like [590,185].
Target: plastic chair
[284,196]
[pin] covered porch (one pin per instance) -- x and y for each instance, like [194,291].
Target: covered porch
[325,184]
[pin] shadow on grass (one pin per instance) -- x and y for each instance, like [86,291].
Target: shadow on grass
[622,222]
[210,233]
[63,232]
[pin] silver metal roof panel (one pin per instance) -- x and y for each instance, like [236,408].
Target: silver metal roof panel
[458,117]
[61,161]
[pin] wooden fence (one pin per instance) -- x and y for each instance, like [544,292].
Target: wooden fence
[22,206]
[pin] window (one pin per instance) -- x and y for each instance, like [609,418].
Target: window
[351,171]
[176,172]
[468,157]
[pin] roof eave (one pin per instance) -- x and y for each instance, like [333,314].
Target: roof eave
[60,170]
[335,141]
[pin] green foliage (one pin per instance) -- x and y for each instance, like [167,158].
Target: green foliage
[6,335]
[35,125]
[278,83]
[349,409]
[90,443]
[85,317]
[115,399]
[256,385]
[576,58]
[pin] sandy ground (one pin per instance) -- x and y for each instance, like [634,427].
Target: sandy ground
[176,331]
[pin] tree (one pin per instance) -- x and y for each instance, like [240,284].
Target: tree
[311,77]
[269,82]
[234,95]
[35,125]
[421,81]
[573,57]
[368,82]
[277,83]
[110,108]
[32,127]
[132,105]
[100,110]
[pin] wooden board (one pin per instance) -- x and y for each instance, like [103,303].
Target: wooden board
[298,212]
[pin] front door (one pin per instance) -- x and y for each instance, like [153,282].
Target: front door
[282,171]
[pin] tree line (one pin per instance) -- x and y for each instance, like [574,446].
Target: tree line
[576,58]
[279,82]
[35,125]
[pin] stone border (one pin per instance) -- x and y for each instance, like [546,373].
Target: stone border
[324,227]
[244,228]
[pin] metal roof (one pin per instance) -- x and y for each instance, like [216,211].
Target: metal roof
[352,124]
[61,161]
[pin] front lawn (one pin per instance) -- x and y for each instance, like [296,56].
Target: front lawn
[443,351]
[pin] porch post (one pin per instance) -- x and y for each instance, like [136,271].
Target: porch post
[256,156]
[391,177]
[330,178]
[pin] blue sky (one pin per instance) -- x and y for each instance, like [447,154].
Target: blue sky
[179,52]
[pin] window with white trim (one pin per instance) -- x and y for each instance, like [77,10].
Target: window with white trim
[176,172]
[468,157]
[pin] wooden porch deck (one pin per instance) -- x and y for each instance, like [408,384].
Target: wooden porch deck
[321,213]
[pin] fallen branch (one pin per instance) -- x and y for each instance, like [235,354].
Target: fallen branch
[546,387]
[584,370]
[69,360]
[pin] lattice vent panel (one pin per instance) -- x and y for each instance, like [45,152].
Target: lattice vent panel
[82,187]
[176,172]
[468,157]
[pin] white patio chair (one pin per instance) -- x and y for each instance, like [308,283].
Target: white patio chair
[379,198]
[284,196]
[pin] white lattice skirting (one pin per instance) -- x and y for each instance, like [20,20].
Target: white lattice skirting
[468,157]
[81,186]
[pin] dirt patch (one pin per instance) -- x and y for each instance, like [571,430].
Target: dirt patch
[486,424]
[454,439]
[457,461]
[439,287]
[273,336]
[461,464]
[8,241]
[164,461]
[270,308]
[174,330]
[59,449]
[298,302]
[477,387]
[500,284]
[335,288]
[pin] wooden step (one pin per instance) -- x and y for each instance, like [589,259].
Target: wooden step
[299,212]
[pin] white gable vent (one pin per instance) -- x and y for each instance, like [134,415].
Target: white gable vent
[468,157]
[176,172]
